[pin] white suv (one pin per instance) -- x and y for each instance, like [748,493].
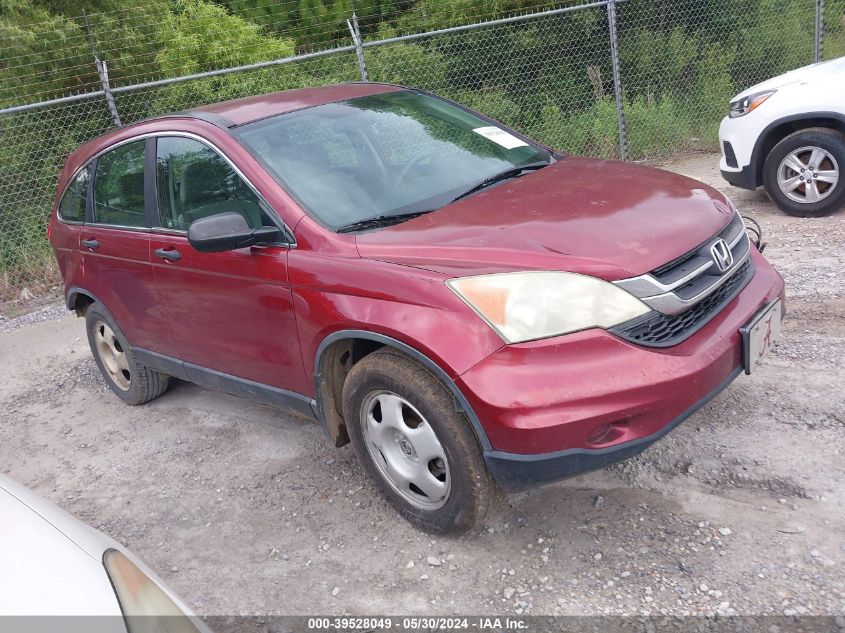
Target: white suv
[788,134]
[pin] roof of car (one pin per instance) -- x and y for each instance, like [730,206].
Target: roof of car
[227,114]
[248,109]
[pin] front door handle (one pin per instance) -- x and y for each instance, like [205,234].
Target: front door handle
[170,254]
[92,243]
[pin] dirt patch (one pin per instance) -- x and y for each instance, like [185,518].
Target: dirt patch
[246,510]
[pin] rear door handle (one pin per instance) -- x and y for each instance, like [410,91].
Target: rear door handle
[170,254]
[92,243]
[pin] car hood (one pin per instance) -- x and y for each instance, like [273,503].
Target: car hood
[828,72]
[603,218]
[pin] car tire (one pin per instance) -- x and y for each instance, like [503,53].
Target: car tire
[419,448]
[811,198]
[131,381]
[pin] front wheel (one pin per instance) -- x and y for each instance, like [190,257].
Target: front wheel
[409,436]
[802,172]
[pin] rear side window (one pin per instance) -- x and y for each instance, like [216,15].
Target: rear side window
[194,181]
[119,186]
[72,206]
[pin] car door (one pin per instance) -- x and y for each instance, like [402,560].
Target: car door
[230,312]
[115,247]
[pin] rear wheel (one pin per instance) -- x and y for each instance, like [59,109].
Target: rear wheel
[409,436]
[802,172]
[132,382]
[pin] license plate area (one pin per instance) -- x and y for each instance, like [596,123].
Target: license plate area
[760,334]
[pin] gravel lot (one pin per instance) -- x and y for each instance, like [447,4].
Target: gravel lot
[246,510]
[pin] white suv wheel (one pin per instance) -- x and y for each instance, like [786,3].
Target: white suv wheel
[808,174]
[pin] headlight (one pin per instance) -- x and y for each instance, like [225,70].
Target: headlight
[743,106]
[524,306]
[145,606]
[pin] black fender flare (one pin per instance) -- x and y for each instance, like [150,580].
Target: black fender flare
[434,368]
[73,291]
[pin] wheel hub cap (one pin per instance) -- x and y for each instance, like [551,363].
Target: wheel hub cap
[807,175]
[406,450]
[112,356]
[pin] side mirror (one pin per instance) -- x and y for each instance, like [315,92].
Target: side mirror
[228,232]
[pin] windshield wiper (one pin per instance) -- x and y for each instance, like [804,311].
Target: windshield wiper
[513,172]
[397,218]
[380,221]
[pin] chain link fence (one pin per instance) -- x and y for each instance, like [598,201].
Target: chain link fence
[632,79]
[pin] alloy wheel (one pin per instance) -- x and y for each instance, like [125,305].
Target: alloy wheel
[808,174]
[112,355]
[406,450]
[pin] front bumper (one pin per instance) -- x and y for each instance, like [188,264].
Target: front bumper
[737,138]
[515,472]
[559,407]
[745,178]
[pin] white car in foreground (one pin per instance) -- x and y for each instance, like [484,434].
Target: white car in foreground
[53,565]
[788,134]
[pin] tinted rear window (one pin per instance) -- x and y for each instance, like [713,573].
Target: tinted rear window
[72,206]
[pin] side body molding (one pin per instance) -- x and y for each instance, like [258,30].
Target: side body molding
[227,383]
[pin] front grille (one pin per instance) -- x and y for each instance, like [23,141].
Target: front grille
[664,330]
[680,266]
[730,155]
[682,282]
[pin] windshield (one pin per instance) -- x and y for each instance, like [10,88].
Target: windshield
[400,153]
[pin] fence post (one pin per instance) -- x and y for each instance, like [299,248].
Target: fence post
[819,30]
[103,74]
[359,48]
[103,71]
[617,79]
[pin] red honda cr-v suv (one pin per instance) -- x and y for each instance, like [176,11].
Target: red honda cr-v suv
[468,307]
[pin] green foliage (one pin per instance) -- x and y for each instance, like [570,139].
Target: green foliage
[834,27]
[272,15]
[37,52]
[202,36]
[312,19]
[427,15]
[315,24]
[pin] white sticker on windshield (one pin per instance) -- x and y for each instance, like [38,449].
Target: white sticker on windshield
[500,137]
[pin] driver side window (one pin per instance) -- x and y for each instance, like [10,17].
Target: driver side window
[194,182]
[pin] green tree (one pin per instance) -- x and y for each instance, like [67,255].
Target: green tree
[276,17]
[312,15]
[202,36]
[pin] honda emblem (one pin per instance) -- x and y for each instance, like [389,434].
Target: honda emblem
[721,254]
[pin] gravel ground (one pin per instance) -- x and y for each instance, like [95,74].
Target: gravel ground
[246,510]
[47,313]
